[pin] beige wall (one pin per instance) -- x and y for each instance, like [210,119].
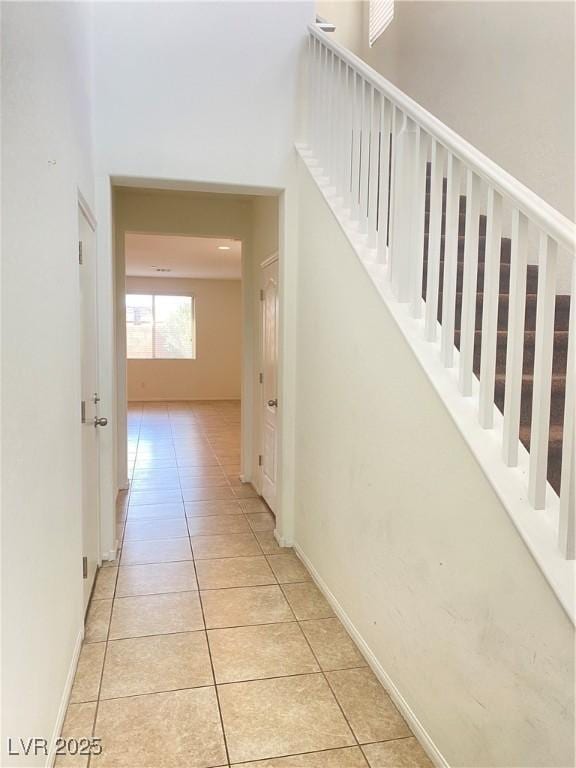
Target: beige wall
[348,16]
[399,520]
[499,73]
[215,374]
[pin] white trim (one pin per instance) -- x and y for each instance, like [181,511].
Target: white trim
[179,399]
[395,694]
[65,699]
[269,260]
[112,554]
[87,211]
[281,541]
[537,528]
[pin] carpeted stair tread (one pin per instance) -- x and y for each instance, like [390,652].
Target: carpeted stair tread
[561,311]
[505,248]
[558,360]
[461,223]
[531,277]
[557,389]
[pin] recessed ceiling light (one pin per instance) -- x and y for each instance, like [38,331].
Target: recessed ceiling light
[223,247]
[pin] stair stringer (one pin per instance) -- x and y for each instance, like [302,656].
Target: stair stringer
[537,528]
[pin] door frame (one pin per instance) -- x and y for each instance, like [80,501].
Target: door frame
[85,211]
[111,258]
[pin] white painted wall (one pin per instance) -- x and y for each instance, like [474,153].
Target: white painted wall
[216,372]
[396,516]
[188,95]
[198,91]
[46,158]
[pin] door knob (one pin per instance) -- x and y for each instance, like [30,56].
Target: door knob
[100,422]
[273,403]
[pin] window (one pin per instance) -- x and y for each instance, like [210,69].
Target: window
[160,327]
[381,13]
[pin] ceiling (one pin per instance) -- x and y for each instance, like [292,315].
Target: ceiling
[182,256]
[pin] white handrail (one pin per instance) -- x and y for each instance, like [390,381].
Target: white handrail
[534,207]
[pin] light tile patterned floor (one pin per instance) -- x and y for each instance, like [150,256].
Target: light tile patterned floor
[208,645]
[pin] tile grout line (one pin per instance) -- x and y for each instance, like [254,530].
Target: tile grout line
[96,708]
[199,592]
[218,704]
[208,648]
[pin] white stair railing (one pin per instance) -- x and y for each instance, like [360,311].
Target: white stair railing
[376,150]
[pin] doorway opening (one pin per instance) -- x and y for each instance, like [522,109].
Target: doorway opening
[197,312]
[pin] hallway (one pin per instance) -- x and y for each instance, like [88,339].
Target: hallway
[207,644]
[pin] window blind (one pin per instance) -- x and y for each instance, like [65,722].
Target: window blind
[160,327]
[381,13]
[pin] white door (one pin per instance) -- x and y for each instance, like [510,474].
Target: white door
[89,404]
[268,440]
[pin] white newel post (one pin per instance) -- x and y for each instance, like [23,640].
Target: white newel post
[567,529]
[404,209]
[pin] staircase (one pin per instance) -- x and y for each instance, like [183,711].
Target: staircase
[561,327]
[445,235]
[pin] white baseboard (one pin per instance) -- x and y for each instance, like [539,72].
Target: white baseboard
[183,400]
[65,699]
[415,725]
[279,539]
[111,554]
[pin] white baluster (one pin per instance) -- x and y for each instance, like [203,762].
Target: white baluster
[384,178]
[470,284]
[313,95]
[396,121]
[347,138]
[434,240]
[364,155]
[374,167]
[309,88]
[332,114]
[515,338]
[405,203]
[340,129]
[323,108]
[491,294]
[567,532]
[356,143]
[317,96]
[541,393]
[451,232]
[418,224]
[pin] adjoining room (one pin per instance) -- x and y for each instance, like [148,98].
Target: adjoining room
[183,318]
